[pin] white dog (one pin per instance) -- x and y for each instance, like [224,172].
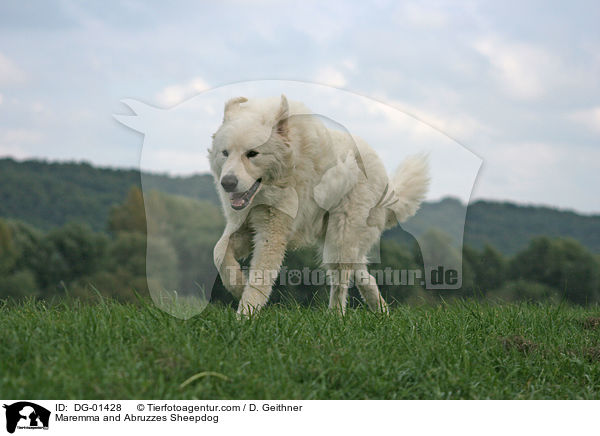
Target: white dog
[287,181]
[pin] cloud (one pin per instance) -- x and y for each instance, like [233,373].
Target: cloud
[10,73]
[179,160]
[37,107]
[459,68]
[349,64]
[14,152]
[19,136]
[331,77]
[519,171]
[589,118]
[321,22]
[423,16]
[524,70]
[175,94]
[527,160]
[459,126]
[14,142]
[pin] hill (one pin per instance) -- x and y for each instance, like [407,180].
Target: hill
[507,226]
[48,195]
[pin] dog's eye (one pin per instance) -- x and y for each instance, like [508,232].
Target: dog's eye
[251,153]
[225,153]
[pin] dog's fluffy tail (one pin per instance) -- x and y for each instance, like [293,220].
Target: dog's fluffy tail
[410,184]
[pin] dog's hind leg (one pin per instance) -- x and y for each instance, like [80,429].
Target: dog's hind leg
[339,282]
[341,252]
[367,286]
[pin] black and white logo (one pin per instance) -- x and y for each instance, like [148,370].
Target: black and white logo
[26,415]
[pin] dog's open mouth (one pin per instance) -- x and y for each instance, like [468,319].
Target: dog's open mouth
[240,200]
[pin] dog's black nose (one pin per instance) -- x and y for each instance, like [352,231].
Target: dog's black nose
[229,182]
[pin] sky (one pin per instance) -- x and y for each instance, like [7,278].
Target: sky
[516,83]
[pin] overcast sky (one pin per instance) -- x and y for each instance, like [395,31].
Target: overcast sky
[515,82]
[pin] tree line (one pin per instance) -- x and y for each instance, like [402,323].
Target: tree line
[48,195]
[76,260]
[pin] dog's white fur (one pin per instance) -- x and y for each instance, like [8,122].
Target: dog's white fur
[344,198]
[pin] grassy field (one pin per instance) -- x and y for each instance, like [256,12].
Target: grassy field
[458,350]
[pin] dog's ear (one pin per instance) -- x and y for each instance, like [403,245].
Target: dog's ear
[232,106]
[281,118]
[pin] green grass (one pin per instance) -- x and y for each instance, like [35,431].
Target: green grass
[459,350]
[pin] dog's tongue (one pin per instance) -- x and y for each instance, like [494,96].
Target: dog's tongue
[237,199]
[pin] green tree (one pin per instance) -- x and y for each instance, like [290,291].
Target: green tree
[487,266]
[130,215]
[15,280]
[563,264]
[64,255]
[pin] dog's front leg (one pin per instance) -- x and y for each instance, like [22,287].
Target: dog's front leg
[231,274]
[238,246]
[272,228]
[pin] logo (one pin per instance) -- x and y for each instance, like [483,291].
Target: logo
[26,415]
[391,179]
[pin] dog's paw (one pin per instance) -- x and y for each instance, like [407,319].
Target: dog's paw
[382,308]
[245,311]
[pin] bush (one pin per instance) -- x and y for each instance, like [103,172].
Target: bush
[525,290]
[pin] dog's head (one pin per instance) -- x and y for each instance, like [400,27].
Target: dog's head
[251,149]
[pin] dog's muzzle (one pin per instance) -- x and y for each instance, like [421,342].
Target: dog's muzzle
[239,200]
